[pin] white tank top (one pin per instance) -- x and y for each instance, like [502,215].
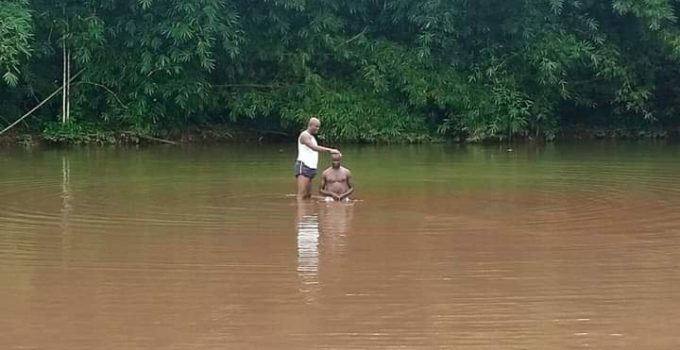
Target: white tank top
[306,155]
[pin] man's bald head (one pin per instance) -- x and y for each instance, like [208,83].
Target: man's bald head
[313,125]
[336,160]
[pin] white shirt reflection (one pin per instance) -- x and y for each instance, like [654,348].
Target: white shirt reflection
[321,230]
[308,248]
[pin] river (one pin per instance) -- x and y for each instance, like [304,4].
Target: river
[564,246]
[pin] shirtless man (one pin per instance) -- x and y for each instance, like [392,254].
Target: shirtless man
[336,181]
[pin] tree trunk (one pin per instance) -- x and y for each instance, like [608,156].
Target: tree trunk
[63,84]
[68,85]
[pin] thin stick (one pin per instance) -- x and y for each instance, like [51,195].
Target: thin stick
[363,31]
[153,138]
[158,140]
[68,86]
[57,91]
[264,86]
[107,90]
[63,84]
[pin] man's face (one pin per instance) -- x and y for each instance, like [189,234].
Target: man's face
[314,127]
[335,161]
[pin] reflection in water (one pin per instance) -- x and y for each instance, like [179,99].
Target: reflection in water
[66,195]
[66,206]
[335,220]
[337,217]
[307,245]
[321,230]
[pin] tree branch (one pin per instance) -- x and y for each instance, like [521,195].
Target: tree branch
[107,89]
[362,32]
[260,86]
[38,106]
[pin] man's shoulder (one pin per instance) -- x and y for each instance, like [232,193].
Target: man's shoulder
[306,135]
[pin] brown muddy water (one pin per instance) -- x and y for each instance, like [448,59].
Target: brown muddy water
[568,246]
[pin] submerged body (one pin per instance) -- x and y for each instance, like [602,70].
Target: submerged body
[336,181]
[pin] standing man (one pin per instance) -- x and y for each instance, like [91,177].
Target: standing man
[308,158]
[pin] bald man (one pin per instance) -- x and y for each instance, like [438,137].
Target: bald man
[336,181]
[308,158]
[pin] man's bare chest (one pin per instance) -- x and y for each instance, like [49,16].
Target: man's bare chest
[336,176]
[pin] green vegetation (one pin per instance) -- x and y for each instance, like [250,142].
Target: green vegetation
[375,70]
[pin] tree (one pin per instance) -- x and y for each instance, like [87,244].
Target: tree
[16,31]
[376,70]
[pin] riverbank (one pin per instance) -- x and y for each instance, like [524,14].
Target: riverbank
[225,136]
[196,136]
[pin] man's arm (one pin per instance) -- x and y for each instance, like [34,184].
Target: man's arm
[350,188]
[322,188]
[307,140]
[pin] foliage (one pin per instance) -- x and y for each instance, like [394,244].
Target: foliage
[374,70]
[15,38]
[80,133]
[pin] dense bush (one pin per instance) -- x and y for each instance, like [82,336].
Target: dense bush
[375,70]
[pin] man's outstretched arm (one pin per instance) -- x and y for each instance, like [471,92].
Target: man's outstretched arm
[307,140]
